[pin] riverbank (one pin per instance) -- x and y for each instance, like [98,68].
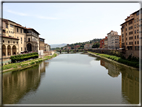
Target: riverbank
[116,59]
[25,64]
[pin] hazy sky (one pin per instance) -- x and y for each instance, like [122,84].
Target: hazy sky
[70,22]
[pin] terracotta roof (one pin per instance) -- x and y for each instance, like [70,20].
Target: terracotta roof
[10,37]
[126,21]
[32,29]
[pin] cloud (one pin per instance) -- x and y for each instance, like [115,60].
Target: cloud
[43,17]
[17,13]
[37,16]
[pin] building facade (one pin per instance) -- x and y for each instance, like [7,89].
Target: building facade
[113,40]
[17,39]
[106,43]
[41,44]
[46,47]
[88,46]
[130,31]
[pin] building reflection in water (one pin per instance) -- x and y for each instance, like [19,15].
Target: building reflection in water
[130,80]
[113,70]
[17,84]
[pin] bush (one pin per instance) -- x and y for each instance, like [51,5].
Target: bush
[23,65]
[24,57]
[32,63]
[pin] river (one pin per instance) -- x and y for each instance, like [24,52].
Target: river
[72,79]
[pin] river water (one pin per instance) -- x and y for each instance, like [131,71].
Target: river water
[72,79]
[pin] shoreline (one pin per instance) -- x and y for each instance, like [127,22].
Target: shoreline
[30,63]
[112,60]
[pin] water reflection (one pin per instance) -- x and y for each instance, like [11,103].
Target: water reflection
[113,68]
[19,83]
[130,80]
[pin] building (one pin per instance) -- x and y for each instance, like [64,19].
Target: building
[120,43]
[76,46]
[130,31]
[113,40]
[41,44]
[102,43]
[106,43]
[31,40]
[68,48]
[88,46]
[17,39]
[46,47]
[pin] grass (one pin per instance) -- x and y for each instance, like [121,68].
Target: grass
[27,63]
[119,59]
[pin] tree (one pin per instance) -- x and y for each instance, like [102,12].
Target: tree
[96,45]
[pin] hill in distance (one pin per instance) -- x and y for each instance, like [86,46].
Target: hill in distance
[58,45]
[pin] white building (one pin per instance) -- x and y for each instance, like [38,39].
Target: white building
[113,40]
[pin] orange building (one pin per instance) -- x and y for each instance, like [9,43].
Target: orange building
[102,42]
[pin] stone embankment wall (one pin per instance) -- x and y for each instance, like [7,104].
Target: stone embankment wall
[117,52]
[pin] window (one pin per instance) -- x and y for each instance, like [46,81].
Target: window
[21,48]
[21,40]
[28,39]
[137,42]
[8,41]
[17,42]
[25,39]
[17,29]
[11,25]
[21,30]
[130,22]
[25,48]
[137,19]
[126,34]
[3,41]
[130,32]
[126,38]
[130,28]
[130,38]
[130,43]
[137,13]
[6,25]
[137,25]
[135,31]
[126,29]
[137,36]
[13,41]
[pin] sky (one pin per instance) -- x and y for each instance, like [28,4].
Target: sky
[69,23]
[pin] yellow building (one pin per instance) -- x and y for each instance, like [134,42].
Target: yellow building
[17,39]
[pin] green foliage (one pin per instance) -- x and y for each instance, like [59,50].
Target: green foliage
[23,65]
[32,63]
[130,61]
[96,45]
[24,57]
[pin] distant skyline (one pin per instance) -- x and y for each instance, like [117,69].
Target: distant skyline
[69,23]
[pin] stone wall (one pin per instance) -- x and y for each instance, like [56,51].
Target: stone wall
[117,52]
